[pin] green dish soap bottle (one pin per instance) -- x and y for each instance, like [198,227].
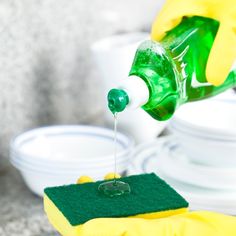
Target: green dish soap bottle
[169,73]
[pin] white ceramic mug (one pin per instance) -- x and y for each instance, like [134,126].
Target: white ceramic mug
[114,57]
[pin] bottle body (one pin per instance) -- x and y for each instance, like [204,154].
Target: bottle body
[189,45]
[174,69]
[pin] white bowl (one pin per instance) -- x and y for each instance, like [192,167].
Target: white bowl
[207,151]
[206,131]
[37,181]
[62,145]
[67,169]
[59,155]
[213,118]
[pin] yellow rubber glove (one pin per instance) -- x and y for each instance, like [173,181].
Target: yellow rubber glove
[223,52]
[189,224]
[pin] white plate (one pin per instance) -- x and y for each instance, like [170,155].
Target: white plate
[146,152]
[176,165]
[205,199]
[147,158]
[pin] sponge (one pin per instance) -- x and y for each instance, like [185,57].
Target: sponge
[68,207]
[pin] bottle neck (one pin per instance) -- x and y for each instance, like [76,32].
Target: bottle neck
[137,91]
[132,93]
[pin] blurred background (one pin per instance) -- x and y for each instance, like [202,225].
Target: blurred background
[58,59]
[48,76]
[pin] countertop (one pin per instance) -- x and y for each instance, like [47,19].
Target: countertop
[21,212]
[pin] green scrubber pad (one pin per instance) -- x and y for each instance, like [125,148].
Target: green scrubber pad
[82,202]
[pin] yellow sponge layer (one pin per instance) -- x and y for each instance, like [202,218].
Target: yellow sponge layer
[62,225]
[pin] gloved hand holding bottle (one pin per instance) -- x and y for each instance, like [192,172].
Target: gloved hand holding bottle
[193,59]
[223,52]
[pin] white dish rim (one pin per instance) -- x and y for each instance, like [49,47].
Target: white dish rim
[59,128]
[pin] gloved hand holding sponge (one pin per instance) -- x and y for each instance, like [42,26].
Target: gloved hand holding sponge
[152,208]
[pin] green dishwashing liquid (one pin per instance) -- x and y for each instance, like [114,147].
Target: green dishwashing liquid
[167,74]
[114,187]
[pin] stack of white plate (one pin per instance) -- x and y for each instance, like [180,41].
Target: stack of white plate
[57,155]
[197,184]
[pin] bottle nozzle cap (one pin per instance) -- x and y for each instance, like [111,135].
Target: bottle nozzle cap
[117,100]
